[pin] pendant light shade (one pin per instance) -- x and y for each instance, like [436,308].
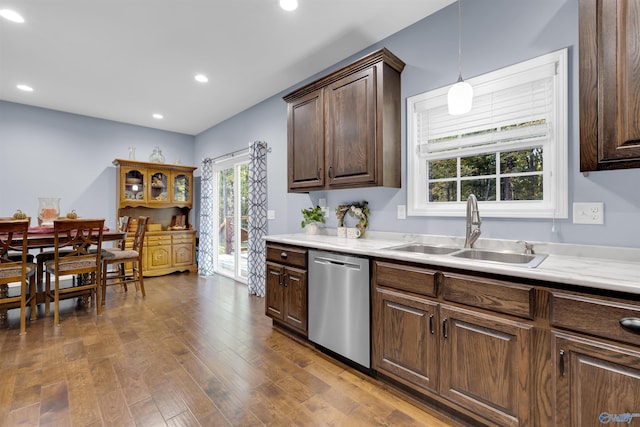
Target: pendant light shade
[460,96]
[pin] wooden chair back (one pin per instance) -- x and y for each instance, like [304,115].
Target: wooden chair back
[13,237]
[138,239]
[78,237]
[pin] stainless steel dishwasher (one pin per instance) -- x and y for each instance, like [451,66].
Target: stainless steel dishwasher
[339,304]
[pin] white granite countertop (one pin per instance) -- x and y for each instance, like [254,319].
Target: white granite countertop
[602,267]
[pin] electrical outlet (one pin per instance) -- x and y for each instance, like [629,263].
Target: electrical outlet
[271,214]
[588,213]
[402,212]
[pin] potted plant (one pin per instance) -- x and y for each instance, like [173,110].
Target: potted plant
[311,218]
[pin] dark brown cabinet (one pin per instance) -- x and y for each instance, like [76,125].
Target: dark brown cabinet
[486,366]
[286,287]
[477,361]
[609,52]
[344,129]
[596,358]
[596,383]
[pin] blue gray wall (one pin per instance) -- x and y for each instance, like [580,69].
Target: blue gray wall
[496,33]
[46,153]
[56,154]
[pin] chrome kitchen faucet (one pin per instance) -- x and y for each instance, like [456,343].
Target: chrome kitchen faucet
[473,218]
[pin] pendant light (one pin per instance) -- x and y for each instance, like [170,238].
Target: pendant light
[460,96]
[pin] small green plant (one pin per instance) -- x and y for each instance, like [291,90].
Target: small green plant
[312,215]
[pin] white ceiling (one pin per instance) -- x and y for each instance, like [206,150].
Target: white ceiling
[123,60]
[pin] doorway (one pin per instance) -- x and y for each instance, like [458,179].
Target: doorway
[231,214]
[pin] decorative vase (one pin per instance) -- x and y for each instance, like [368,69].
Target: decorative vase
[132,153]
[156,156]
[48,210]
[312,228]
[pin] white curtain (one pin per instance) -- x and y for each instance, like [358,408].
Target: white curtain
[257,218]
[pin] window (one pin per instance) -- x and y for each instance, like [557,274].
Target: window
[510,150]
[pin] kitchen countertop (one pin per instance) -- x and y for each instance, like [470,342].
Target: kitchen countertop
[601,267]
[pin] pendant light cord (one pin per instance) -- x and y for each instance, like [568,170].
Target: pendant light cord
[459,41]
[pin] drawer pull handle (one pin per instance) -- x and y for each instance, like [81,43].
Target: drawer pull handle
[631,324]
[561,363]
[431,324]
[331,172]
[318,175]
[444,329]
[283,255]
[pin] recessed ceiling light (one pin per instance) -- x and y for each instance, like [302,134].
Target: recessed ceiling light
[11,15]
[289,5]
[158,116]
[25,88]
[201,78]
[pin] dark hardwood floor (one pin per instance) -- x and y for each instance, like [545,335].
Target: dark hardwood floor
[194,352]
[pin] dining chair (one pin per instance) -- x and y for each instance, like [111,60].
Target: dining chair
[77,251]
[123,255]
[13,241]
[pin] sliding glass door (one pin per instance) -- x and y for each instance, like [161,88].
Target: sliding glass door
[231,204]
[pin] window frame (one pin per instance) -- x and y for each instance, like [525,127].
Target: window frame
[555,149]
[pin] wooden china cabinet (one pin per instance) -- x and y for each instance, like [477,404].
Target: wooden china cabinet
[164,193]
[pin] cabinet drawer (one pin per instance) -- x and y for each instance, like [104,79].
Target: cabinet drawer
[494,295]
[183,238]
[158,240]
[288,255]
[594,316]
[408,278]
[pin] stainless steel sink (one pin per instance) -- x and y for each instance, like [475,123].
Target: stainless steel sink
[522,260]
[424,249]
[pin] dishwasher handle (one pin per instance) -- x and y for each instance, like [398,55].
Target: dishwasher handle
[337,262]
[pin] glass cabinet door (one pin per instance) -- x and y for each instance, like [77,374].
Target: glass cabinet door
[181,188]
[159,188]
[133,184]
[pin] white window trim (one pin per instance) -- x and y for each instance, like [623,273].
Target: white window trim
[555,181]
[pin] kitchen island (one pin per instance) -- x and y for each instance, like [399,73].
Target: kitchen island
[498,343]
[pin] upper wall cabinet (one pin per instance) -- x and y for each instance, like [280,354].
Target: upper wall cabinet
[344,129]
[609,84]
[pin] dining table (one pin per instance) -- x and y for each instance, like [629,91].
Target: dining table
[41,237]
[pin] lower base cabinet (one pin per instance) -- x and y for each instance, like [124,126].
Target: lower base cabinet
[478,362]
[286,287]
[486,365]
[168,252]
[596,383]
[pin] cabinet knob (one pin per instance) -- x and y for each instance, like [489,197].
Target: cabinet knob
[283,255]
[631,324]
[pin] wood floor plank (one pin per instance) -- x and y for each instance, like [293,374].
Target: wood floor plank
[195,352]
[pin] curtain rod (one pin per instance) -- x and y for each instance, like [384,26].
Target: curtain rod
[231,154]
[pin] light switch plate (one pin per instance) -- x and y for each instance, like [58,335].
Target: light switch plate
[402,212]
[588,213]
[271,214]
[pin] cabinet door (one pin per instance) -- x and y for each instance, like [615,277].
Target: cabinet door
[351,129]
[158,252]
[405,341]
[158,187]
[295,296]
[486,365]
[274,295]
[132,186]
[306,142]
[609,84]
[181,194]
[596,383]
